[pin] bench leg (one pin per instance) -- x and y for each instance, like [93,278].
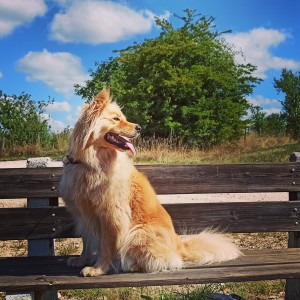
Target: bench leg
[292,288]
[46,295]
[42,247]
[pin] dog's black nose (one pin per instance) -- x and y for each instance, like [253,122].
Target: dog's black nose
[138,128]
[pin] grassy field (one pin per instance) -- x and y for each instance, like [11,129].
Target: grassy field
[251,149]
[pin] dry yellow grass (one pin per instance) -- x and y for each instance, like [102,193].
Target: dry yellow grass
[250,149]
[172,150]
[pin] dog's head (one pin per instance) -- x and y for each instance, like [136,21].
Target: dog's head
[102,125]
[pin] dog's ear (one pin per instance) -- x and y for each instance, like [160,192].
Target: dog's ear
[97,105]
[101,101]
[84,127]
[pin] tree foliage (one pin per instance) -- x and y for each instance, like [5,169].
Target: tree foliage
[184,82]
[21,121]
[289,84]
[258,120]
[275,124]
[263,124]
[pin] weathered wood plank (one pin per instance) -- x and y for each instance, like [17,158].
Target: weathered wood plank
[55,222]
[54,265]
[35,223]
[21,183]
[41,273]
[224,178]
[24,183]
[238,217]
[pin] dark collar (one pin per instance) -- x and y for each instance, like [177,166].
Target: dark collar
[69,160]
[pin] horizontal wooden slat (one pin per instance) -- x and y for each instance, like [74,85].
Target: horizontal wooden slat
[244,178]
[23,183]
[241,178]
[42,273]
[35,223]
[236,217]
[55,222]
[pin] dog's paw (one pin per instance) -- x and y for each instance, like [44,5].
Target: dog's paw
[91,272]
[76,262]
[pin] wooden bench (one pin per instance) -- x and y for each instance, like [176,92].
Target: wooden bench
[45,221]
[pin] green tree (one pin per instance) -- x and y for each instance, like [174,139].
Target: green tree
[258,120]
[289,84]
[21,121]
[184,82]
[263,124]
[275,124]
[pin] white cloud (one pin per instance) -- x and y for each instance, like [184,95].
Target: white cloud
[269,106]
[16,13]
[272,110]
[1,75]
[256,45]
[260,101]
[56,125]
[98,22]
[58,70]
[59,107]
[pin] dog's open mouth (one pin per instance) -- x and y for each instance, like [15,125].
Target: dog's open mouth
[120,142]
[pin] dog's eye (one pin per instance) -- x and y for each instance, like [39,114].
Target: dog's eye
[116,119]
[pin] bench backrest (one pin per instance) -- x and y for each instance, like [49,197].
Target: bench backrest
[54,221]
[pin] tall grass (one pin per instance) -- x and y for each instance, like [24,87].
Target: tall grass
[172,150]
[250,149]
[57,147]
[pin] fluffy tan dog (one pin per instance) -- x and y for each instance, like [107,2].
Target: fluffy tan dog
[117,211]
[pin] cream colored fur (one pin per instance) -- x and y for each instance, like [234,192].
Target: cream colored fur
[116,209]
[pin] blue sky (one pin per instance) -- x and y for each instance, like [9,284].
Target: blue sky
[47,46]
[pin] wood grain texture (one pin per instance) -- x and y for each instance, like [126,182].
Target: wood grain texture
[42,273]
[244,178]
[23,183]
[224,178]
[50,273]
[55,222]
[35,223]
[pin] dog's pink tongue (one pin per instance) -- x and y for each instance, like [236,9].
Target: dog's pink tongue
[131,148]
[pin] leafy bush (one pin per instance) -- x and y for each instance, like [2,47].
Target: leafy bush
[184,82]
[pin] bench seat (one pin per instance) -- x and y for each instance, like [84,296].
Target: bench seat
[46,273]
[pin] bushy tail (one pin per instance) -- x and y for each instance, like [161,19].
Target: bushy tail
[209,247]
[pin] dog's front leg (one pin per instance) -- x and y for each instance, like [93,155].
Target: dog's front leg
[90,252]
[110,235]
